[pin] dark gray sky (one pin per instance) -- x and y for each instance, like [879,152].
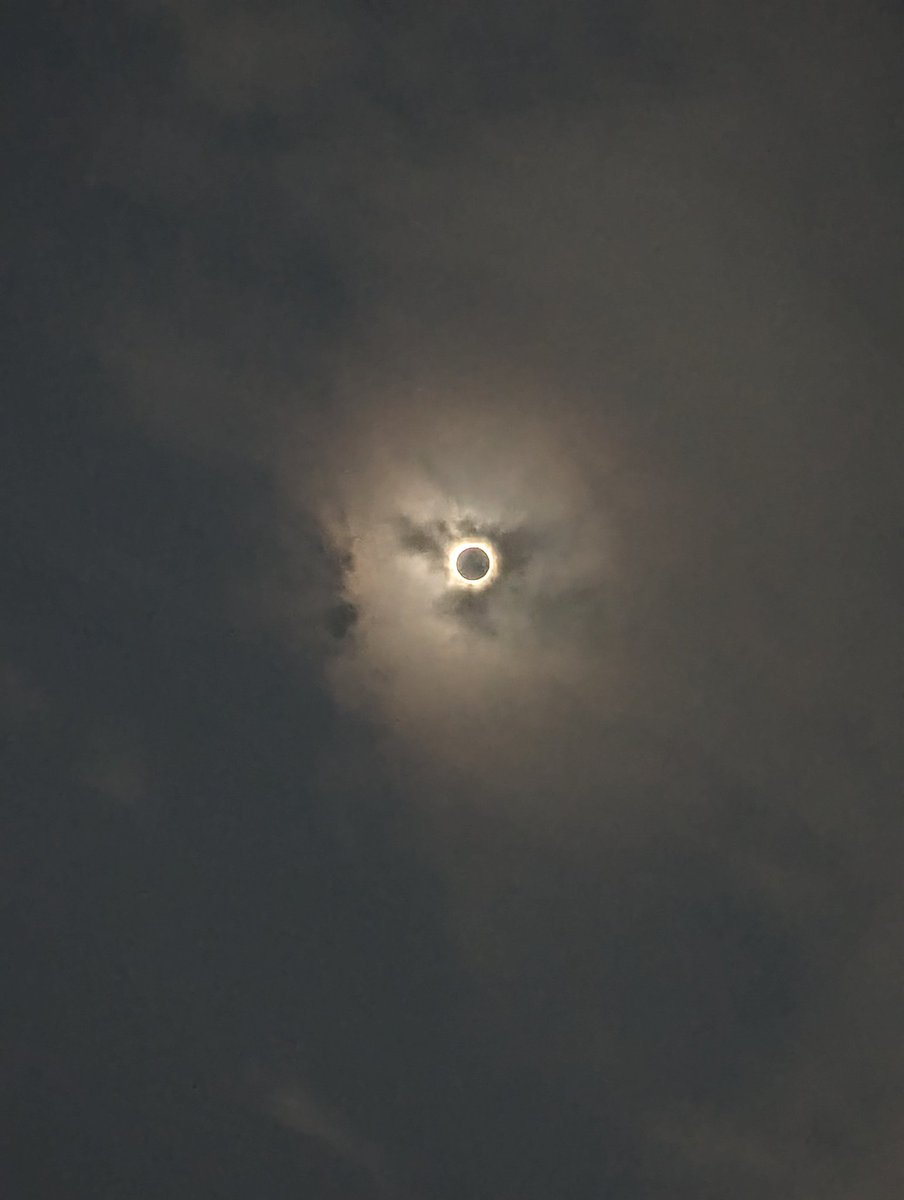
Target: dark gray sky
[323,876]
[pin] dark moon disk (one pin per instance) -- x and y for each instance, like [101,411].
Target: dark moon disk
[472,563]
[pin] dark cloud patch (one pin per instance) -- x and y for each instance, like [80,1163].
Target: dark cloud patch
[341,619]
[173,864]
[472,608]
[701,978]
[430,541]
[515,547]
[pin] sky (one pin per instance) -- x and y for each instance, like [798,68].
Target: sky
[321,874]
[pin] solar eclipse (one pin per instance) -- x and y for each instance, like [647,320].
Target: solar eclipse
[472,564]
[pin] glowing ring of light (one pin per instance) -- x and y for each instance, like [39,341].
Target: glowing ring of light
[458,549]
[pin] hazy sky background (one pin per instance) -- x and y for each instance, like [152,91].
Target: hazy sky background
[320,877]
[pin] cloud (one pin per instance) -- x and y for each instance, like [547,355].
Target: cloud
[596,299]
[297,1109]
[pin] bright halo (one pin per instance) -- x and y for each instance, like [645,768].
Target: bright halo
[472,564]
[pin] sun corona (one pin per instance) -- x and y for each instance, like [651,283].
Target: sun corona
[472,564]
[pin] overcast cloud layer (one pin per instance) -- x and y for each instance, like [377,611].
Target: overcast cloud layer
[585,884]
